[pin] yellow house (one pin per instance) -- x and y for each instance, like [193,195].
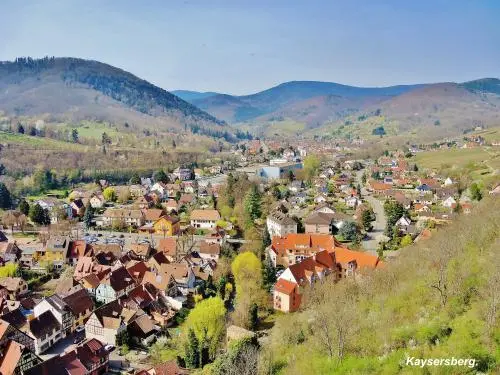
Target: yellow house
[167,225]
[54,253]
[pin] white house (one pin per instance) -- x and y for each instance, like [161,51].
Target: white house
[448,182]
[279,224]
[59,310]
[45,330]
[449,202]
[204,219]
[352,202]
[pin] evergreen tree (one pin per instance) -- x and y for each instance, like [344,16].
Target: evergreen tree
[74,135]
[253,204]
[105,139]
[160,176]
[221,288]
[266,238]
[135,179]
[192,351]
[268,274]
[39,215]
[367,216]
[5,197]
[2,169]
[174,145]
[20,128]
[88,216]
[24,207]
[475,192]
[253,316]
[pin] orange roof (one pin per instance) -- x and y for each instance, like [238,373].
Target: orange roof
[168,246]
[11,357]
[379,186]
[285,286]
[362,259]
[305,242]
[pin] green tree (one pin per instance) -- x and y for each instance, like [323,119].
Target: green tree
[253,316]
[268,274]
[109,194]
[266,238]
[105,139]
[24,207]
[367,216]
[253,204]
[276,193]
[88,216]
[291,176]
[5,197]
[161,176]
[349,231]
[74,135]
[39,215]
[178,196]
[311,165]
[207,322]
[406,240]
[475,192]
[192,354]
[135,179]
[20,128]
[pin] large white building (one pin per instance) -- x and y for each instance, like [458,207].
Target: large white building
[279,224]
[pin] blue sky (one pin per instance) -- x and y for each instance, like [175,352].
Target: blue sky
[244,46]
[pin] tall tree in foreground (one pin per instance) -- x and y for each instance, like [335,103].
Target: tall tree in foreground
[253,202]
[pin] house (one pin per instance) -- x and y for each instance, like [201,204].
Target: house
[495,191]
[296,185]
[171,206]
[319,222]
[151,215]
[141,250]
[81,306]
[77,207]
[182,273]
[324,208]
[117,284]
[123,217]
[76,250]
[97,201]
[167,225]
[286,297]
[108,321]
[10,252]
[404,225]
[280,171]
[15,286]
[94,356]
[182,174]
[85,266]
[449,202]
[45,330]
[280,224]
[448,182]
[337,263]
[320,199]
[168,247]
[59,309]
[209,250]
[204,219]
[352,201]
[167,368]
[143,331]
[54,253]
[17,358]
[293,248]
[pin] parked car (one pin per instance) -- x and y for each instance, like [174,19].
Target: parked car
[110,347]
[80,329]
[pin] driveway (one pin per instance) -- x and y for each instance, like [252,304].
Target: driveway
[371,243]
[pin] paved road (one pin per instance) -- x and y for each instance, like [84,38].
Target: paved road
[379,224]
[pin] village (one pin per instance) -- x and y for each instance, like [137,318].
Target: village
[92,279]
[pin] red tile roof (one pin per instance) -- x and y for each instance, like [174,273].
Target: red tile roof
[285,286]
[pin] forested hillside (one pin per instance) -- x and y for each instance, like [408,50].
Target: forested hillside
[439,299]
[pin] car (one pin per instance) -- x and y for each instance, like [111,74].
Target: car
[78,339]
[80,329]
[110,347]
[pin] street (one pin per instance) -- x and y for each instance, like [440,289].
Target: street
[371,244]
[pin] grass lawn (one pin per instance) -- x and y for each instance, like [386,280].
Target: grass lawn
[457,158]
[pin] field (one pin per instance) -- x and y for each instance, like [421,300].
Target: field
[457,158]
[480,164]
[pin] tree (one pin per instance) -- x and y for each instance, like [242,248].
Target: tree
[253,316]
[5,197]
[367,216]
[247,272]
[178,196]
[74,135]
[276,193]
[253,204]
[20,128]
[311,165]
[9,219]
[475,192]
[192,354]
[135,179]
[349,231]
[161,176]
[39,215]
[24,207]
[174,145]
[88,216]
[406,240]
[105,139]
[109,194]
[268,274]
[291,176]
[300,225]
[123,195]
[266,238]
[206,320]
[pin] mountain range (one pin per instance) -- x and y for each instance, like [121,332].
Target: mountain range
[69,90]
[317,107]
